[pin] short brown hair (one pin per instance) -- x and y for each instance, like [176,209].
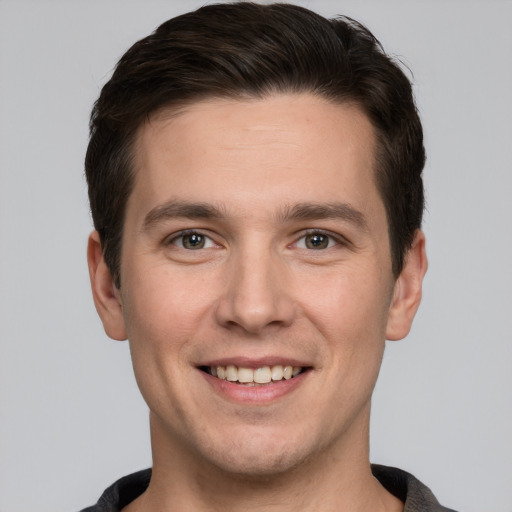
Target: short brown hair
[246,50]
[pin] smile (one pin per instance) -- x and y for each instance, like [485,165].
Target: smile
[254,377]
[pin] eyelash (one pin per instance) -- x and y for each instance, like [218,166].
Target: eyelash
[332,239]
[182,234]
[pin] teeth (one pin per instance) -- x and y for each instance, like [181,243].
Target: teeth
[277,372]
[231,373]
[245,375]
[263,375]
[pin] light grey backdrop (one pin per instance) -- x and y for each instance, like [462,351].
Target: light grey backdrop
[72,420]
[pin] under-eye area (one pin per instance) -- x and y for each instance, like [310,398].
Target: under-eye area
[254,376]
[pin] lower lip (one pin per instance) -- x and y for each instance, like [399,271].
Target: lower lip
[260,394]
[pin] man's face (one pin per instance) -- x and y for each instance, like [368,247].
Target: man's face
[255,240]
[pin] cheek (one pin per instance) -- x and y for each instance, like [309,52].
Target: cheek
[351,314]
[350,307]
[161,317]
[163,307]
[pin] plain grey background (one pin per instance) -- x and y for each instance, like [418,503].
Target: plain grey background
[72,420]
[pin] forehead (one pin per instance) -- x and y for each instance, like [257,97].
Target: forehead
[275,151]
[273,119]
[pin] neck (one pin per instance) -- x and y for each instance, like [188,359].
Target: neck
[338,478]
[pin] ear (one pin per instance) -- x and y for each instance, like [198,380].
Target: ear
[106,295]
[407,290]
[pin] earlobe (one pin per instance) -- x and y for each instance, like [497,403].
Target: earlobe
[107,298]
[407,291]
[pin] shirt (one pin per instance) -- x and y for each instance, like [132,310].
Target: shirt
[416,496]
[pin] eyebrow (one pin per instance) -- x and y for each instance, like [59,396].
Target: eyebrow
[301,211]
[175,209]
[317,211]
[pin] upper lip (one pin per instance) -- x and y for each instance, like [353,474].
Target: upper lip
[248,362]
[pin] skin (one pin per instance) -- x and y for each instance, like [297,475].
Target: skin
[258,291]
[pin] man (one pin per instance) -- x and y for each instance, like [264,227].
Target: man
[255,183]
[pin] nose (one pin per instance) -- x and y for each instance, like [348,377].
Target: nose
[256,296]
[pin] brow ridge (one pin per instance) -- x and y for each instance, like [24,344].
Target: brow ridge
[297,212]
[175,209]
[317,211]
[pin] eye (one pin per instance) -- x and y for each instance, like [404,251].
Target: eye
[316,240]
[192,241]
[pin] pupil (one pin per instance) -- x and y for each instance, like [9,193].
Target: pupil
[317,242]
[193,241]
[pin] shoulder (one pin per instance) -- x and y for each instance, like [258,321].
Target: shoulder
[416,496]
[122,492]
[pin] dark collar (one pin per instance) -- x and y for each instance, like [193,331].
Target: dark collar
[416,496]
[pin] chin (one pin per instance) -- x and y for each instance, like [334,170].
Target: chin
[258,466]
[258,456]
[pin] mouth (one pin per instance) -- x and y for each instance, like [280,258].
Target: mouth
[251,377]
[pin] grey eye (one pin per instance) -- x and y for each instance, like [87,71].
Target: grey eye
[192,241]
[317,241]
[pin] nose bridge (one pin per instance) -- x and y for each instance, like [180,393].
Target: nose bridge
[256,294]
